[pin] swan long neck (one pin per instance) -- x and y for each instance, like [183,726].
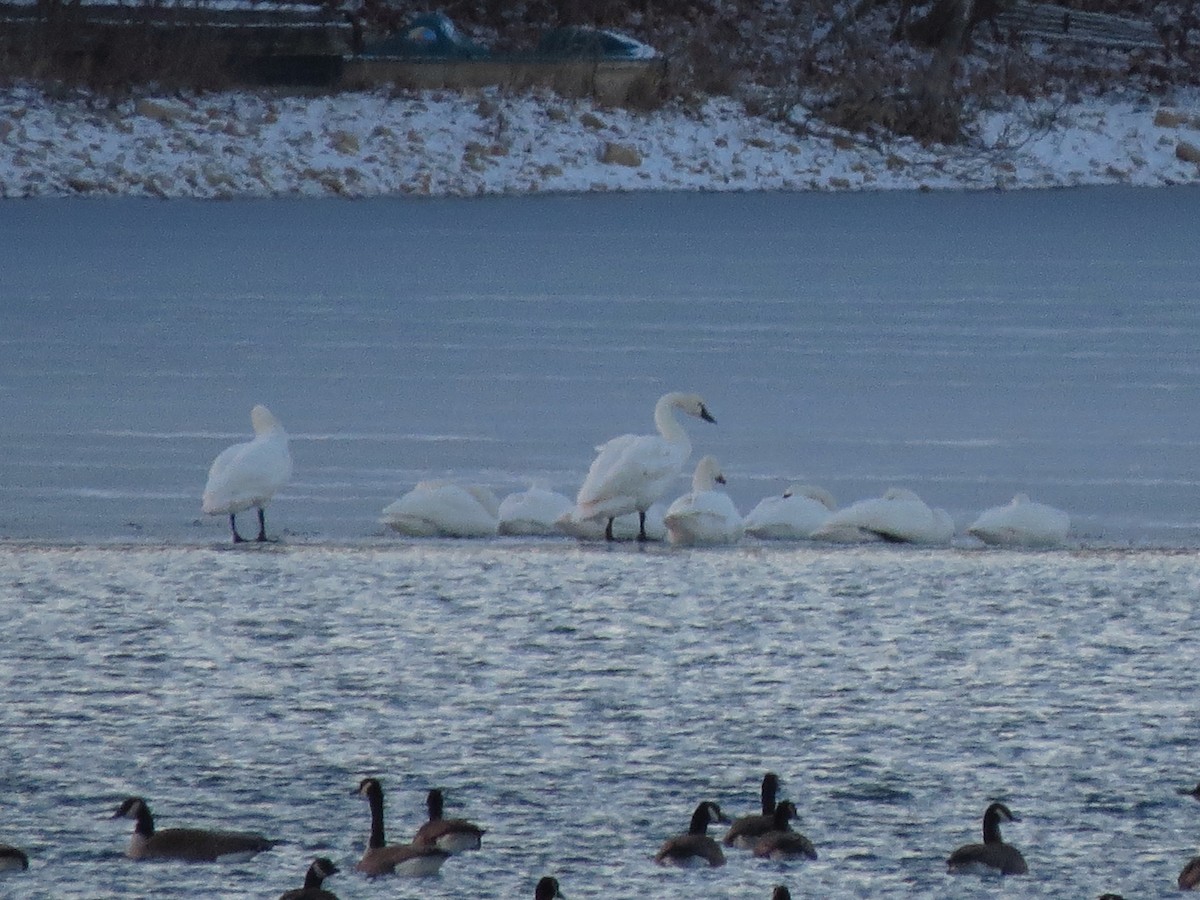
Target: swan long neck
[666,423]
[375,798]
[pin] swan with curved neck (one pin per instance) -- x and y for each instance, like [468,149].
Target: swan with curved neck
[632,471]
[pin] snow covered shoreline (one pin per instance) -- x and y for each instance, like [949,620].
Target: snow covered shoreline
[437,143]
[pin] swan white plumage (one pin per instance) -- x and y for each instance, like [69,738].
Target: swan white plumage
[704,515]
[533,512]
[1022,523]
[794,516]
[248,475]
[899,516]
[624,528]
[632,471]
[444,509]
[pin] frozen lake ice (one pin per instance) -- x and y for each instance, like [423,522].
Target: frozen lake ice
[966,346]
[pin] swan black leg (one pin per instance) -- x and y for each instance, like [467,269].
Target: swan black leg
[608,535]
[237,538]
[262,526]
[642,526]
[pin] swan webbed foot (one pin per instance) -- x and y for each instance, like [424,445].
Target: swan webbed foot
[262,528]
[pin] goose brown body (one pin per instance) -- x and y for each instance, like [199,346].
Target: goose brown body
[451,835]
[993,854]
[322,867]
[746,830]
[381,858]
[187,844]
[695,848]
[781,842]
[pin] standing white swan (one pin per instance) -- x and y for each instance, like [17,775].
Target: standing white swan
[444,509]
[793,517]
[248,475]
[705,515]
[899,516]
[630,472]
[1022,523]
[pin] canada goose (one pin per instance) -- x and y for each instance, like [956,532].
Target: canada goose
[399,859]
[1189,878]
[322,867]
[12,859]
[993,855]
[1194,793]
[695,848]
[189,844]
[547,889]
[247,475]
[781,893]
[781,843]
[746,830]
[451,835]
[632,471]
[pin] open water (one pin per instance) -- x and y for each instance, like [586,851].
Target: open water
[579,701]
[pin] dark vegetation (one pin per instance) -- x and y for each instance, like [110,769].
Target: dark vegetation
[915,67]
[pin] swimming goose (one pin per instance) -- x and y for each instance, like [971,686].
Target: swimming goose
[533,512]
[12,859]
[993,855]
[1022,523]
[781,843]
[1194,792]
[451,835]
[1189,876]
[792,517]
[899,516]
[705,515]
[695,848]
[399,859]
[322,867]
[630,472]
[248,475]
[444,509]
[547,889]
[781,893]
[188,844]
[746,830]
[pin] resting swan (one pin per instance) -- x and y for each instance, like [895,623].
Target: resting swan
[248,475]
[1022,523]
[899,516]
[533,512]
[632,471]
[705,515]
[444,509]
[793,517]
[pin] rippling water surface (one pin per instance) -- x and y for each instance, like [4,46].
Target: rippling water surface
[579,701]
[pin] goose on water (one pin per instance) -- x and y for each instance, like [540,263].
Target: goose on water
[632,471]
[993,855]
[187,844]
[320,869]
[451,835]
[781,842]
[746,830]
[547,889]
[695,847]
[381,858]
[12,859]
[247,475]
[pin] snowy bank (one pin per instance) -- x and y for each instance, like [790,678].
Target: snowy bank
[243,144]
